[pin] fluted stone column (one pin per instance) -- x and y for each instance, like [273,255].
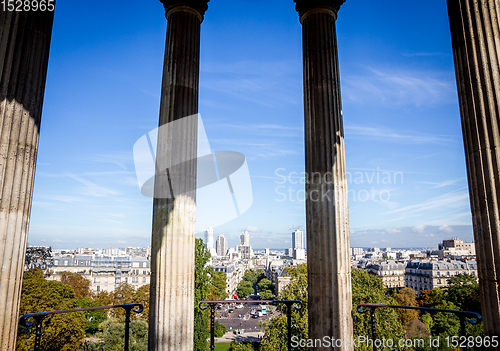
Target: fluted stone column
[476,49]
[24,55]
[328,263]
[171,318]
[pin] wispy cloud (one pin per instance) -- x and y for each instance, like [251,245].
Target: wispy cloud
[264,83]
[399,88]
[406,137]
[455,199]
[411,54]
[92,188]
[444,183]
[121,159]
[251,229]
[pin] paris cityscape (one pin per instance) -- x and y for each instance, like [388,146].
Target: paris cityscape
[249,176]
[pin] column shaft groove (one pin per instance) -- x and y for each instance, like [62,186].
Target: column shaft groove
[24,53]
[329,276]
[476,49]
[171,319]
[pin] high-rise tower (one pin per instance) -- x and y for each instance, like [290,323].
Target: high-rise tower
[245,239]
[209,238]
[221,245]
[297,239]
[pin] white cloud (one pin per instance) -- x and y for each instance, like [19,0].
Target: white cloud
[444,183]
[92,189]
[418,228]
[251,229]
[400,88]
[406,137]
[392,231]
[445,229]
[455,199]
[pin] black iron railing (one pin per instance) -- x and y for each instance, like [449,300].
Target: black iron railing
[38,318]
[213,303]
[463,316]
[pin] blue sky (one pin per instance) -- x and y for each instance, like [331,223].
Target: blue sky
[404,150]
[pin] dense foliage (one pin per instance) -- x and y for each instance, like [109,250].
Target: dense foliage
[201,291]
[218,286]
[61,332]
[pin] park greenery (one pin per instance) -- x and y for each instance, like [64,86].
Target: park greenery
[462,293]
[258,278]
[104,330]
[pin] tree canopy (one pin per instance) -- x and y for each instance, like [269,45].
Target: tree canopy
[61,332]
[81,285]
[201,291]
[218,286]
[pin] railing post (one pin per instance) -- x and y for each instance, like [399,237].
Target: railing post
[212,326]
[373,322]
[289,322]
[38,333]
[127,325]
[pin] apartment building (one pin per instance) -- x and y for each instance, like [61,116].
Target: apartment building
[105,273]
[427,275]
[234,274]
[392,273]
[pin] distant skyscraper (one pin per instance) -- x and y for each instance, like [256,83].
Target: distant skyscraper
[298,239]
[245,239]
[221,245]
[209,238]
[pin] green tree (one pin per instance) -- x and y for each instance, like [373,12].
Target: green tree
[123,294]
[218,286]
[201,291]
[142,296]
[275,330]
[463,291]
[93,317]
[444,323]
[244,289]
[427,320]
[264,284]
[249,276]
[240,346]
[406,297]
[259,275]
[61,332]
[431,298]
[103,298]
[266,295]
[370,289]
[115,335]
[220,329]
[79,283]
[365,288]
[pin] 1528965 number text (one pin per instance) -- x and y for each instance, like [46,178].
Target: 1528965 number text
[27,5]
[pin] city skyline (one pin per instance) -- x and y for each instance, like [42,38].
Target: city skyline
[405,160]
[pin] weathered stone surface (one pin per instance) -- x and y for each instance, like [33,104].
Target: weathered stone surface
[330,295]
[24,53]
[171,316]
[476,47]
